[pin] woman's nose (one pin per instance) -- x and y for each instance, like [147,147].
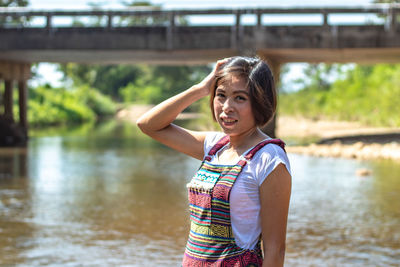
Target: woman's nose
[228,105]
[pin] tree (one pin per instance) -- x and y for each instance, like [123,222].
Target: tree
[386,1]
[108,79]
[13,3]
[319,77]
[156,83]
[133,83]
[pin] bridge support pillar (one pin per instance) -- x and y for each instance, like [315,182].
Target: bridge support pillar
[275,66]
[22,102]
[8,100]
[11,133]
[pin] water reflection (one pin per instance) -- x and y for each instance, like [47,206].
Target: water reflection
[13,163]
[335,218]
[110,196]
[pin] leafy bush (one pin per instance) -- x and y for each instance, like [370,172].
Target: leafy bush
[50,106]
[367,94]
[100,104]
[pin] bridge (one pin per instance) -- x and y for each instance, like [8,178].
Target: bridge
[170,37]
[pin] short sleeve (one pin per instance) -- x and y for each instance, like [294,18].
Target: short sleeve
[211,139]
[267,159]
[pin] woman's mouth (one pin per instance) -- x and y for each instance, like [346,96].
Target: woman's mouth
[228,121]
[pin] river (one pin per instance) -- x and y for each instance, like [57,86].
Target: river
[109,196]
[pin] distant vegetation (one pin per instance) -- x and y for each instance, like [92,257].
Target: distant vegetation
[368,94]
[54,106]
[91,92]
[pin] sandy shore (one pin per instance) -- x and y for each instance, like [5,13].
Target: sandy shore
[354,140]
[322,129]
[358,150]
[365,142]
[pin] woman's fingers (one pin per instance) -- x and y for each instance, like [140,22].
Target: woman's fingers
[222,61]
[208,82]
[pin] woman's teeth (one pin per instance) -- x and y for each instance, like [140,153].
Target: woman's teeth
[229,120]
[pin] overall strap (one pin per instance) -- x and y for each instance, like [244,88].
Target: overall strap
[223,141]
[255,149]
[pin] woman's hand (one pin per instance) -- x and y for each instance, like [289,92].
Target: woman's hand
[208,83]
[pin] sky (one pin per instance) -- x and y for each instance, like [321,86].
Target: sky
[48,74]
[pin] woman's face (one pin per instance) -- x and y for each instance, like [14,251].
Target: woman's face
[232,107]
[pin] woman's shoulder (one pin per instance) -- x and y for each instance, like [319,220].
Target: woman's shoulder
[211,139]
[273,149]
[271,152]
[267,159]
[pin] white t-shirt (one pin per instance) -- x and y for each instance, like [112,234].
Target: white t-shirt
[245,196]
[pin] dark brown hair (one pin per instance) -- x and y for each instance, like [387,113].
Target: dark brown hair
[260,83]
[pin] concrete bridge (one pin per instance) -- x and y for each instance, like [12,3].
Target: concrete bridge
[168,37]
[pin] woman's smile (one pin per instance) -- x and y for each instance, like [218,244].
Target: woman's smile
[227,121]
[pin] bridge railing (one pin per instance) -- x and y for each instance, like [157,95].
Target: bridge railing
[22,17]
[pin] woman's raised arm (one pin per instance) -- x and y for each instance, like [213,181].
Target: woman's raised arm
[157,122]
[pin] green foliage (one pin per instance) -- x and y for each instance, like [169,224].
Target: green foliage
[141,92]
[136,83]
[386,1]
[100,104]
[108,79]
[13,3]
[141,20]
[319,76]
[156,83]
[11,20]
[368,94]
[52,106]
[55,105]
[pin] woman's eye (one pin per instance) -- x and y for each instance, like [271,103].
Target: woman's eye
[220,95]
[240,98]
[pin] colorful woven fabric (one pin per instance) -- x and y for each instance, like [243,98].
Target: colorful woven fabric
[211,241]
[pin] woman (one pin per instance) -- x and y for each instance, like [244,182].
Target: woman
[240,195]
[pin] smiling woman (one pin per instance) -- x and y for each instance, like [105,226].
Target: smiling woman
[240,195]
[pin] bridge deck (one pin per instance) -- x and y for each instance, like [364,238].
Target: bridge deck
[168,42]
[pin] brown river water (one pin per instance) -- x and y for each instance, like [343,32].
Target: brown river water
[109,196]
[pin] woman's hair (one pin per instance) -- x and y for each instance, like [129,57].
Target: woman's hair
[260,83]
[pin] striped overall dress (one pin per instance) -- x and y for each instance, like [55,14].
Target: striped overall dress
[211,241]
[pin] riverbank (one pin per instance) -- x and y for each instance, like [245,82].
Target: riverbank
[342,139]
[358,150]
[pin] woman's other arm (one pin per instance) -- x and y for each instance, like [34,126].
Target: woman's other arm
[274,197]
